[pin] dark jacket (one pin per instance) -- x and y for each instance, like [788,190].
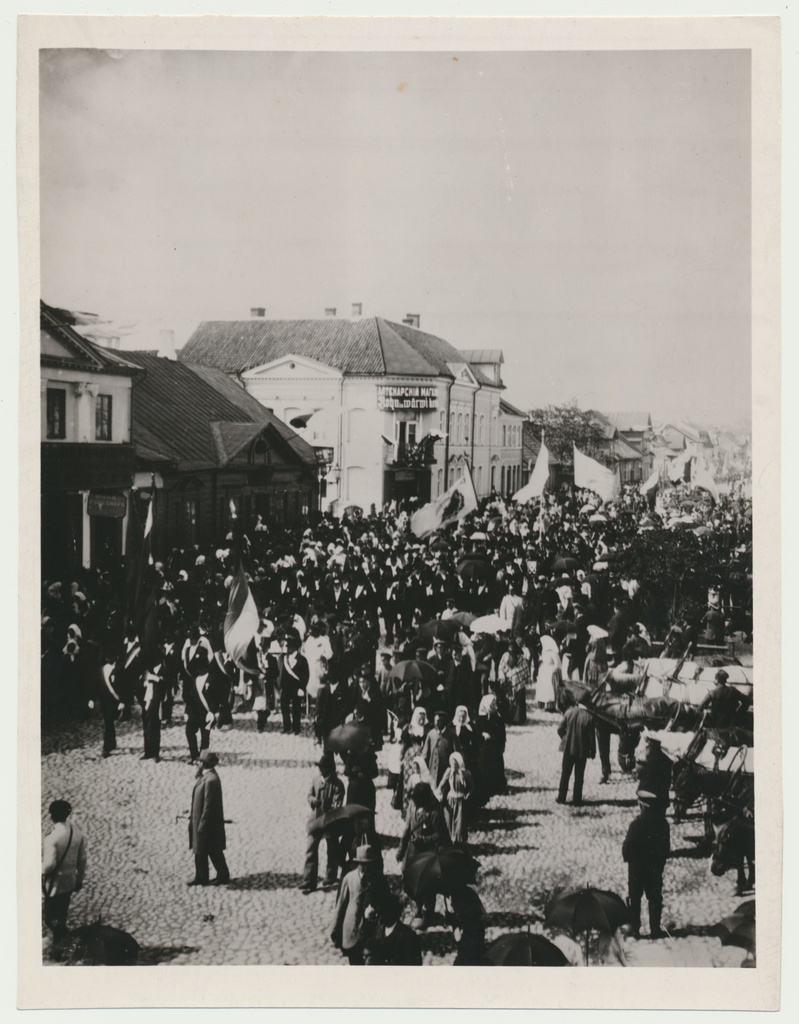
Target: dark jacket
[647,843]
[401,948]
[207,824]
[578,738]
[332,707]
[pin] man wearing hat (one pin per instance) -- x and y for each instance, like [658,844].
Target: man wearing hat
[207,823]
[645,851]
[578,744]
[292,683]
[394,943]
[724,704]
[360,889]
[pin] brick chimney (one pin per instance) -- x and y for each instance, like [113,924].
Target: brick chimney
[330,311]
[257,312]
[166,348]
[412,320]
[357,310]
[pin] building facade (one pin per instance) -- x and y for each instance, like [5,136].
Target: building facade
[393,412]
[87,460]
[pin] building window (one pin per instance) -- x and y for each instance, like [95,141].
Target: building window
[481,438]
[441,481]
[56,413]
[190,510]
[466,425]
[452,427]
[459,436]
[442,422]
[102,418]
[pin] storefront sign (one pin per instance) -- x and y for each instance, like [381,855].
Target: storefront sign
[406,396]
[324,456]
[404,474]
[114,506]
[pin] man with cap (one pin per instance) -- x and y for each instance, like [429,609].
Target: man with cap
[441,660]
[325,794]
[724,704]
[63,867]
[293,678]
[207,823]
[654,772]
[360,889]
[645,850]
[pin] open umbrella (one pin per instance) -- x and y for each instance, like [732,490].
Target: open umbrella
[474,568]
[478,535]
[413,671]
[587,508]
[335,821]
[586,910]
[348,737]
[492,624]
[464,618]
[565,563]
[439,629]
[522,949]
[739,928]
[443,870]
[597,517]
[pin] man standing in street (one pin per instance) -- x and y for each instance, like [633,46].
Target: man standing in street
[645,851]
[724,704]
[654,772]
[207,824]
[578,745]
[394,943]
[292,683]
[63,867]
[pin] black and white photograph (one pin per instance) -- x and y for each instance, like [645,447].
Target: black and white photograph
[401,503]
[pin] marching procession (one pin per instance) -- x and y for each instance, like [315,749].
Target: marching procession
[405,665]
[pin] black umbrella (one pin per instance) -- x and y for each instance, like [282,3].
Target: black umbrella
[348,737]
[521,949]
[588,909]
[472,568]
[582,911]
[443,870]
[413,671]
[335,821]
[439,629]
[565,563]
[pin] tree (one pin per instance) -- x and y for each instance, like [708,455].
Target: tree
[567,425]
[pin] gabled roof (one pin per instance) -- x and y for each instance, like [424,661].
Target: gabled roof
[630,421]
[531,445]
[624,450]
[603,424]
[198,418]
[483,355]
[510,410]
[58,323]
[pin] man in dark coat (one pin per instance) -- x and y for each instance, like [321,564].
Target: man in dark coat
[645,851]
[654,772]
[394,943]
[441,660]
[292,683]
[332,707]
[207,824]
[578,745]
[465,688]
[724,704]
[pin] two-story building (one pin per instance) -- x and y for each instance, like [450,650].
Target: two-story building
[395,412]
[87,460]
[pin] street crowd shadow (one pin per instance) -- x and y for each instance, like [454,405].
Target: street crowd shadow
[387,842]
[690,853]
[266,881]
[151,956]
[243,760]
[694,930]
[486,849]
[611,803]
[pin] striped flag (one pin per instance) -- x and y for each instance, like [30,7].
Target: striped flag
[241,620]
[454,504]
[534,487]
[593,476]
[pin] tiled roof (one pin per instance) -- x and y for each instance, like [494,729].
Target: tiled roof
[624,450]
[483,355]
[237,345]
[401,357]
[58,323]
[603,424]
[180,412]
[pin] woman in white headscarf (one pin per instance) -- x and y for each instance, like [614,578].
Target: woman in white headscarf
[456,787]
[411,744]
[549,675]
[491,729]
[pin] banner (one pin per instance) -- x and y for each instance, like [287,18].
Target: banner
[595,477]
[534,487]
[701,477]
[455,503]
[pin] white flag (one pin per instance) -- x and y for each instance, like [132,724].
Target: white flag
[595,477]
[651,482]
[455,503]
[702,477]
[534,487]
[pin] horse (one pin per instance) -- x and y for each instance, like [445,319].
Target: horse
[735,848]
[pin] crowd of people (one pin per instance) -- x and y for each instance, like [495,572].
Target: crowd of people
[431,646]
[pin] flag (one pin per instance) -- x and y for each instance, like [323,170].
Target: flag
[145,602]
[595,477]
[241,619]
[455,503]
[680,468]
[651,482]
[534,487]
[703,478]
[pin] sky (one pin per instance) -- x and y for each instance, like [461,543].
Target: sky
[586,212]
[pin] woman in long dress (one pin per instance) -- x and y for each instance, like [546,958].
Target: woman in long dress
[549,675]
[455,789]
[411,744]
[491,730]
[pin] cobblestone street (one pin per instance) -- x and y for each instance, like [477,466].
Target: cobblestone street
[134,816]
